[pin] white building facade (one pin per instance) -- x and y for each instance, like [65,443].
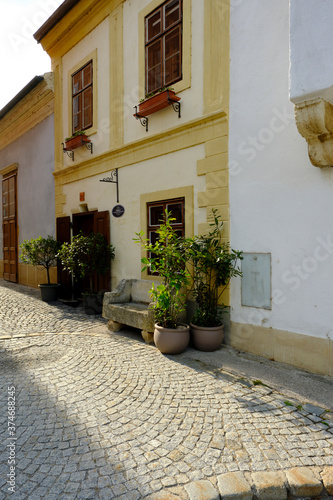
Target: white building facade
[280,203]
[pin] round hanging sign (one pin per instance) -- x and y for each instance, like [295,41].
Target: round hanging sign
[118,211]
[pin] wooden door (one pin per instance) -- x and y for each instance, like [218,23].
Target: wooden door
[9,227]
[102,225]
[64,277]
[85,222]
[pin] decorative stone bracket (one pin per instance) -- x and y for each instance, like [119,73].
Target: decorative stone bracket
[314,120]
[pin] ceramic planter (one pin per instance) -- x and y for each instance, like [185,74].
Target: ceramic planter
[76,142]
[49,292]
[171,341]
[157,102]
[206,338]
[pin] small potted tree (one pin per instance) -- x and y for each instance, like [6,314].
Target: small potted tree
[42,252]
[166,258]
[212,264]
[87,256]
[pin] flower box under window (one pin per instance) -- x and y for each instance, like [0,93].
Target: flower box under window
[76,142]
[157,102]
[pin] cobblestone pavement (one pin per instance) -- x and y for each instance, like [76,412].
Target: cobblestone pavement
[107,416]
[22,312]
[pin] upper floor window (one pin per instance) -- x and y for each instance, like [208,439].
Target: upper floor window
[82,98]
[163,39]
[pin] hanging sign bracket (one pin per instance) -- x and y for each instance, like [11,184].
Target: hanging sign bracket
[114,179]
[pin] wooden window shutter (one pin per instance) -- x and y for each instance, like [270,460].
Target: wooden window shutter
[82,98]
[163,39]
[154,66]
[102,225]
[87,108]
[156,214]
[172,60]
[64,236]
[154,25]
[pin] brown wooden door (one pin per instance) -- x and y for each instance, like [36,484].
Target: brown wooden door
[9,227]
[102,225]
[85,222]
[64,277]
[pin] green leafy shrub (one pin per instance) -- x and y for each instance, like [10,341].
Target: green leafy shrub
[167,258]
[86,255]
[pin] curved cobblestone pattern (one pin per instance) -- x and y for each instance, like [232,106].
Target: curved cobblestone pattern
[142,421]
[107,416]
[23,312]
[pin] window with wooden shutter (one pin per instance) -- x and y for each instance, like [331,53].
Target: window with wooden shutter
[156,216]
[163,35]
[82,98]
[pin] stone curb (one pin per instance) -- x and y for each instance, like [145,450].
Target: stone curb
[298,483]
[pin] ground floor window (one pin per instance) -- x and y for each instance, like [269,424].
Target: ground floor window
[156,215]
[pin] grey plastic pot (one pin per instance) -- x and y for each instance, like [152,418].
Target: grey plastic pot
[49,292]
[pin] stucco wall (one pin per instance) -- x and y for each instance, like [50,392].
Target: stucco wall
[96,43]
[166,172]
[191,93]
[280,203]
[34,154]
[191,96]
[311,41]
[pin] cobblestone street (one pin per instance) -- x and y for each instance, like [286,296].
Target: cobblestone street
[101,415]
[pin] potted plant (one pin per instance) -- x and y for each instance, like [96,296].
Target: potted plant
[87,256]
[76,140]
[156,101]
[42,252]
[166,257]
[213,263]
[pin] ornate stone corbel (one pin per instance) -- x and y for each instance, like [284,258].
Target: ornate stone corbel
[314,120]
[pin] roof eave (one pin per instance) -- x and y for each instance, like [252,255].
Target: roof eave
[28,88]
[57,15]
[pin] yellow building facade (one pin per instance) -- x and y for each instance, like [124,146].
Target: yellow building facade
[182,157]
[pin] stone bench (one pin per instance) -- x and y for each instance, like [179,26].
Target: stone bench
[130,304]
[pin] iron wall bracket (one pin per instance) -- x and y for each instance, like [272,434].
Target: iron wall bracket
[70,152]
[114,179]
[143,119]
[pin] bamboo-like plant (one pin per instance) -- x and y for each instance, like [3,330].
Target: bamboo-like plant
[212,264]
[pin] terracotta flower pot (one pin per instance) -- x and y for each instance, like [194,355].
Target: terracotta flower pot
[206,338]
[171,341]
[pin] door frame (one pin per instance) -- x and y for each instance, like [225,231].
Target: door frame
[7,173]
[73,224]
